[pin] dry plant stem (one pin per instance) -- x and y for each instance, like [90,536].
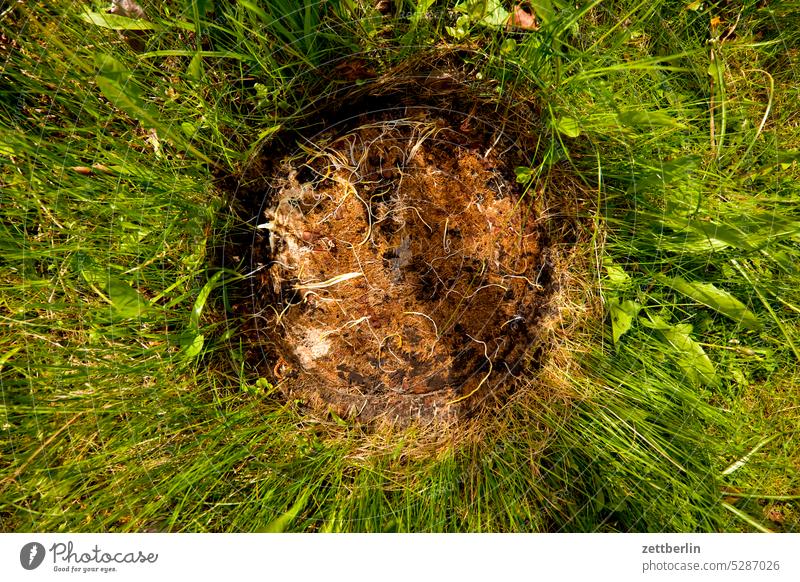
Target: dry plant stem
[330,282]
[711,108]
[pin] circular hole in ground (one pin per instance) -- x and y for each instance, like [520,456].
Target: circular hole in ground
[399,271]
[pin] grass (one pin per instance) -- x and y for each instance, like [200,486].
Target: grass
[128,401]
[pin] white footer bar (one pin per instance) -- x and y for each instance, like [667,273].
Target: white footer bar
[406,557]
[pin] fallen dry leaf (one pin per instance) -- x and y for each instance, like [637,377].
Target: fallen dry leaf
[774,514]
[155,143]
[383,6]
[86,171]
[521,18]
[130,9]
[127,8]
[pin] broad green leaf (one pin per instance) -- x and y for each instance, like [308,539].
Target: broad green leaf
[116,21]
[111,68]
[461,29]
[262,92]
[746,231]
[615,274]
[717,233]
[524,174]
[716,68]
[648,119]
[657,174]
[188,128]
[193,348]
[508,47]
[622,315]
[715,298]
[195,69]
[704,236]
[543,9]
[422,8]
[486,12]
[691,358]
[202,297]
[126,300]
[6,149]
[279,524]
[569,126]
[116,83]
[201,6]
[8,355]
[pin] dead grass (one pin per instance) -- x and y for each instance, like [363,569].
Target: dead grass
[407,278]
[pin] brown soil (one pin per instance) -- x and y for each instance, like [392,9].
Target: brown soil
[407,276]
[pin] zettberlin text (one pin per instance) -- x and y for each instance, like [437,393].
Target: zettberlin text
[671,549]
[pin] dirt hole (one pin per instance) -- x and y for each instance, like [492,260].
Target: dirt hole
[400,271]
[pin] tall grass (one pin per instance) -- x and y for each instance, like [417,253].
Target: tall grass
[129,403]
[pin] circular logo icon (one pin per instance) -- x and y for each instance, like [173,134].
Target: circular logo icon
[31,555]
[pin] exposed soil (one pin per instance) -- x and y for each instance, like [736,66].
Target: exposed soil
[406,275]
[397,271]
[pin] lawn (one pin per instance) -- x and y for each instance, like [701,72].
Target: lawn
[142,389]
